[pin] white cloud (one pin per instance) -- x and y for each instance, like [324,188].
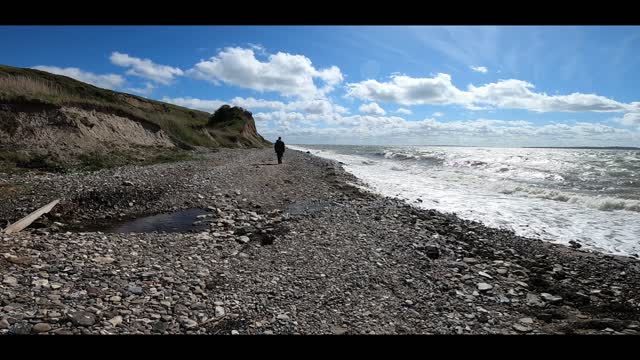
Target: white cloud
[148,88]
[312,106]
[404,111]
[397,130]
[198,104]
[480,69]
[437,114]
[146,68]
[505,94]
[630,119]
[287,74]
[372,109]
[107,81]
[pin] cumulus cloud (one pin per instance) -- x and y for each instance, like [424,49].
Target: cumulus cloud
[198,104]
[480,69]
[630,119]
[404,111]
[107,81]
[511,94]
[146,68]
[146,90]
[284,73]
[437,114]
[372,109]
[311,106]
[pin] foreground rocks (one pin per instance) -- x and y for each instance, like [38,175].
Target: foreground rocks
[290,249]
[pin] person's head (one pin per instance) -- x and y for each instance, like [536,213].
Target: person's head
[279,137]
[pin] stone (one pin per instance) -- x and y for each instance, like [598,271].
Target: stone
[235,332]
[243,239]
[283,317]
[502,271]
[4,324]
[469,260]
[20,329]
[188,323]
[550,298]
[219,311]
[521,328]
[41,327]
[484,287]
[432,251]
[484,274]
[103,259]
[534,300]
[40,283]
[136,290]
[268,332]
[115,298]
[127,183]
[10,280]
[159,326]
[83,318]
[116,320]
[338,330]
[526,321]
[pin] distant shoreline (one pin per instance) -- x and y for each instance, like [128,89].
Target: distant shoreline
[497,147]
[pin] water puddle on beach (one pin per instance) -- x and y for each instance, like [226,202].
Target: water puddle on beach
[176,222]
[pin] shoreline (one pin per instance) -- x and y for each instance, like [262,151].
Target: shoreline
[343,260]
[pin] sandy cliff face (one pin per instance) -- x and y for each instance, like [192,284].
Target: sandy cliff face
[67,131]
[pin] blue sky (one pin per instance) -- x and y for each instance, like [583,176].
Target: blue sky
[476,85]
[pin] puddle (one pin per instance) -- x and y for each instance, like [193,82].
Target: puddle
[181,221]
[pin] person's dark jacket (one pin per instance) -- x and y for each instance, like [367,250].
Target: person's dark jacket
[279,146]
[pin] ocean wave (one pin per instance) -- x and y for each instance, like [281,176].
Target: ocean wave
[595,202]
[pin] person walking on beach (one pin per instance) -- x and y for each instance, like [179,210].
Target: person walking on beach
[279,149]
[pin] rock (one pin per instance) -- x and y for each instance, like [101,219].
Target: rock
[159,326]
[484,287]
[127,183]
[94,292]
[338,330]
[20,329]
[550,298]
[235,332]
[83,318]
[188,323]
[502,271]
[243,239]
[268,332]
[484,274]
[283,317]
[103,259]
[534,300]
[136,290]
[40,283]
[115,298]
[4,324]
[41,327]
[574,244]
[526,321]
[219,311]
[521,328]
[432,251]
[10,280]
[469,260]
[116,320]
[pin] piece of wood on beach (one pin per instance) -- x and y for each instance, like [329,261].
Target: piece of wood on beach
[27,220]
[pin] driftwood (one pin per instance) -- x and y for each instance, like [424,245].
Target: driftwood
[27,220]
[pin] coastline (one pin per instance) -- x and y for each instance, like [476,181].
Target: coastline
[343,260]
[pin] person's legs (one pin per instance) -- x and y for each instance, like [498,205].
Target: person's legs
[279,158]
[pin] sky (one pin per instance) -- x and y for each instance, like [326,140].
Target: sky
[414,85]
